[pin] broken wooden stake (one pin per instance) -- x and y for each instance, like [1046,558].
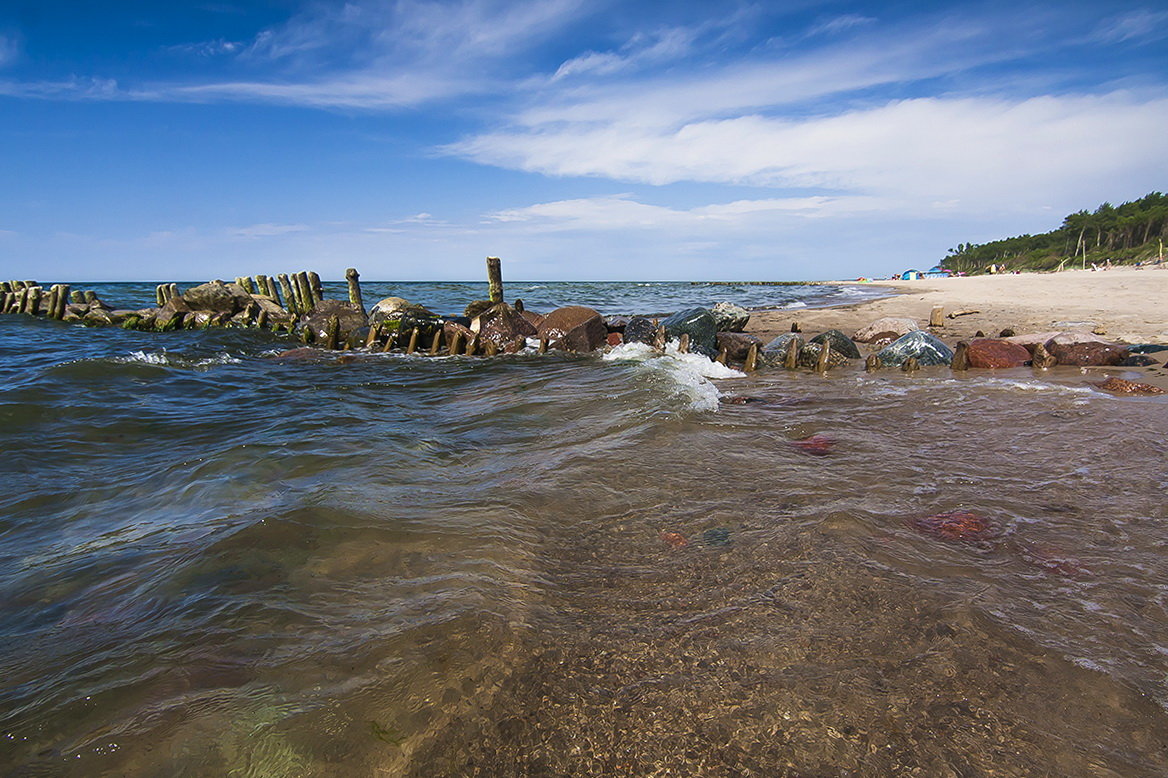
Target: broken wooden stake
[413,346]
[683,343]
[751,363]
[960,357]
[824,360]
[937,317]
[354,279]
[872,363]
[495,279]
[955,314]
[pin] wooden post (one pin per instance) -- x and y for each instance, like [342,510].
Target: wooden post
[374,334]
[160,295]
[824,360]
[910,365]
[304,292]
[21,301]
[795,327]
[490,348]
[389,342]
[78,297]
[306,335]
[722,355]
[937,317]
[51,305]
[791,358]
[171,291]
[262,319]
[436,343]
[659,338]
[34,301]
[472,345]
[961,357]
[683,343]
[5,301]
[354,279]
[332,333]
[413,345]
[317,288]
[63,301]
[455,342]
[751,363]
[1042,358]
[5,287]
[289,297]
[543,345]
[495,279]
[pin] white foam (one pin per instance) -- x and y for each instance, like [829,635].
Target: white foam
[690,374]
[164,358]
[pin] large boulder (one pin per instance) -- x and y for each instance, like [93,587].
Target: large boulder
[737,344]
[926,349]
[217,296]
[700,325]
[574,328]
[888,327]
[1068,349]
[276,312]
[839,342]
[639,329]
[502,325]
[775,353]
[995,353]
[616,323]
[392,308]
[730,317]
[809,356]
[475,307]
[349,318]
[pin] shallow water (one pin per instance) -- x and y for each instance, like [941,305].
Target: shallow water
[213,562]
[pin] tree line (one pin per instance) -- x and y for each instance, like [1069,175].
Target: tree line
[1125,234]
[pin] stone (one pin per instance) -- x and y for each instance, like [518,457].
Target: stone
[920,345]
[1031,340]
[674,539]
[956,525]
[737,344]
[815,445]
[774,354]
[809,357]
[1146,348]
[451,328]
[840,343]
[995,353]
[888,327]
[729,317]
[502,325]
[717,536]
[639,329]
[475,307]
[217,296]
[700,325]
[1085,353]
[392,308]
[400,327]
[615,339]
[536,319]
[1138,360]
[349,318]
[616,323]
[1120,386]
[276,312]
[574,328]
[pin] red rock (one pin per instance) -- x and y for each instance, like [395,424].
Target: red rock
[674,539]
[502,325]
[1052,559]
[955,525]
[1120,386]
[996,354]
[574,328]
[615,339]
[816,445]
[1071,348]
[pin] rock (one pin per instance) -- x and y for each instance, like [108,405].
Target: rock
[276,312]
[217,296]
[840,343]
[349,318]
[737,344]
[615,339]
[574,328]
[200,319]
[1138,360]
[392,308]
[475,307]
[450,328]
[674,539]
[809,357]
[718,536]
[1069,351]
[815,445]
[700,325]
[920,345]
[536,319]
[956,525]
[1120,386]
[502,325]
[1033,339]
[400,326]
[775,353]
[616,323]
[171,315]
[729,317]
[638,329]
[1141,348]
[888,327]
[995,353]
[97,317]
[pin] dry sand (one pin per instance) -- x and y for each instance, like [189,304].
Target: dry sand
[1127,304]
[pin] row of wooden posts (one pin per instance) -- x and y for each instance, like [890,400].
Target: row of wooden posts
[30,298]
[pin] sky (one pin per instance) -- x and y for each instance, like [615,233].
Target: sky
[576,139]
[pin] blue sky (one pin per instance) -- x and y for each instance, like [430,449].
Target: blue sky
[577,140]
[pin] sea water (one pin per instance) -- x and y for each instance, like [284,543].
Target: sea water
[217,562]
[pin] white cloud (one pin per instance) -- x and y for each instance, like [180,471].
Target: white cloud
[1140,26]
[643,49]
[839,24]
[9,50]
[212,48]
[266,230]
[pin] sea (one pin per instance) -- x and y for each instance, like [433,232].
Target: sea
[218,562]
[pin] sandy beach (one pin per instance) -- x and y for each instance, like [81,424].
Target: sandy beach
[1125,304]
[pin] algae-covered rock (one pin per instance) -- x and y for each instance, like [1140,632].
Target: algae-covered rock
[349,318]
[775,353]
[918,344]
[393,308]
[809,356]
[700,325]
[839,342]
[639,329]
[730,317]
[217,296]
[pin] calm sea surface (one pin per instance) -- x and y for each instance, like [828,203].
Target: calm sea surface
[214,562]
